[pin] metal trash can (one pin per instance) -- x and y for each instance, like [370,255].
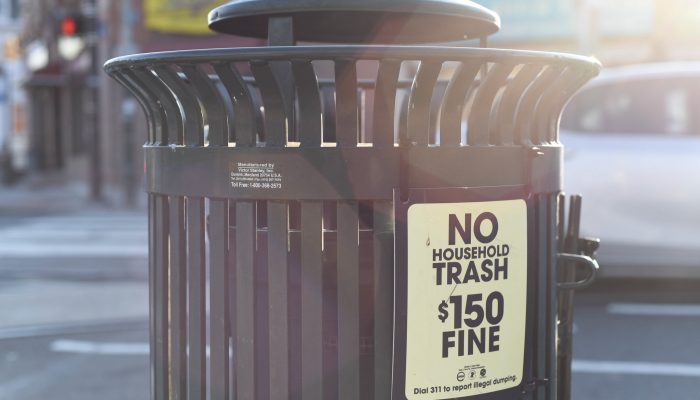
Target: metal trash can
[365,221]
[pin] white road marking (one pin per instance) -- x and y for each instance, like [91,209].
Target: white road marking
[73,250]
[117,235]
[578,366]
[659,310]
[112,349]
[83,347]
[635,368]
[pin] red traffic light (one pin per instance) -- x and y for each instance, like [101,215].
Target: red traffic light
[73,25]
[69,26]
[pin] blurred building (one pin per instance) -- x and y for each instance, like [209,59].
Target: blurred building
[13,133]
[68,123]
[616,32]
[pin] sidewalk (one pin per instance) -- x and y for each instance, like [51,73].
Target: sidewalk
[67,263]
[41,199]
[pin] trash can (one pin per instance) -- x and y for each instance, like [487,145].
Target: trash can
[374,220]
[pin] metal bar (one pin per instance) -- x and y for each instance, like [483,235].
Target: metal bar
[245,300]
[162,387]
[154,112]
[504,129]
[454,102]
[245,114]
[178,299]
[152,283]
[309,99]
[329,117]
[277,240]
[383,298]
[211,104]
[525,118]
[311,301]
[566,300]
[346,103]
[294,306]
[196,292]
[544,113]
[480,114]
[419,103]
[277,119]
[150,121]
[385,103]
[552,297]
[541,345]
[280,32]
[348,254]
[576,78]
[172,124]
[191,110]
[218,284]
[261,314]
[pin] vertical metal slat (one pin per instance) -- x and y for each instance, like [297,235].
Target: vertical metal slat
[552,297]
[276,118]
[454,102]
[196,289]
[212,104]
[178,299]
[346,103]
[172,124]
[152,233]
[161,298]
[348,254]
[245,115]
[245,301]
[154,113]
[278,228]
[419,102]
[527,105]
[310,110]
[385,103]
[192,113]
[542,306]
[383,298]
[218,283]
[311,301]
[479,117]
[504,128]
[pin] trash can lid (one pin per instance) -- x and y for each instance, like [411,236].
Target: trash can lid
[360,21]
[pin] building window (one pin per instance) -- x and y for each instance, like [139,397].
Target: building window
[15,9]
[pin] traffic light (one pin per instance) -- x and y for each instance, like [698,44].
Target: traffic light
[73,25]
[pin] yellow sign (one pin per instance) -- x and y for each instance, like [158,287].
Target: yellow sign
[179,16]
[467,293]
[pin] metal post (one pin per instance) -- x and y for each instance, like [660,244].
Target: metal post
[93,112]
[566,302]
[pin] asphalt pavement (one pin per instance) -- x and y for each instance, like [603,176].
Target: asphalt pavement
[73,325]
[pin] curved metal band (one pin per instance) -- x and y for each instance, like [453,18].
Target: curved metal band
[335,173]
[364,52]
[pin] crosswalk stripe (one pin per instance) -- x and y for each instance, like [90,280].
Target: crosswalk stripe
[110,235]
[72,250]
[635,368]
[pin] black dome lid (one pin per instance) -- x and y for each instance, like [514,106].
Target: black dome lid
[360,21]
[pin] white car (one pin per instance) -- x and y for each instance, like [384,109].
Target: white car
[632,139]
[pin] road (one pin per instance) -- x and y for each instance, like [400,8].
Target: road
[633,340]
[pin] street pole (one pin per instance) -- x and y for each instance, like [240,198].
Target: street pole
[93,110]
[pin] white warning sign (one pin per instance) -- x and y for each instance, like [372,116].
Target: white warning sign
[467,292]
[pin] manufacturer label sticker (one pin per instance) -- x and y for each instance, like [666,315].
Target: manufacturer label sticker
[253,175]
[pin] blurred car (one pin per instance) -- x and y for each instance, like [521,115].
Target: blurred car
[632,139]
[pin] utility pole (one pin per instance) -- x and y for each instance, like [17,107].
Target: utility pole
[92,111]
